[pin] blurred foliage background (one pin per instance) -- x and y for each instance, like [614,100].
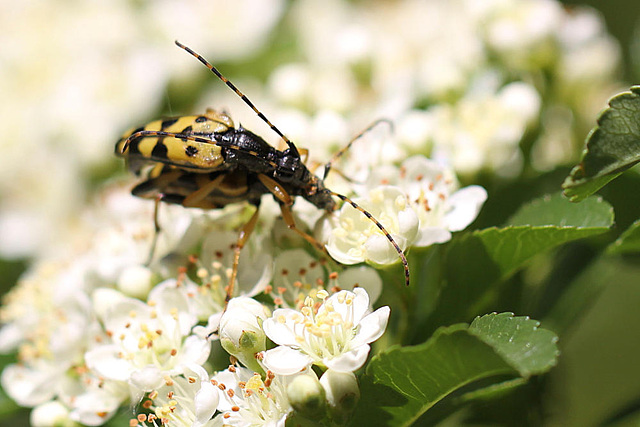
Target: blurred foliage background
[597,381]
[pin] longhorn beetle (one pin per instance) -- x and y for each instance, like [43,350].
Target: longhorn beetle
[206,162]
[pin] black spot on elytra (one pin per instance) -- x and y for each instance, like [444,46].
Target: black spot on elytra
[187,130]
[190,150]
[201,119]
[159,150]
[166,123]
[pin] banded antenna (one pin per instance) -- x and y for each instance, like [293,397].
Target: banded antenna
[246,100]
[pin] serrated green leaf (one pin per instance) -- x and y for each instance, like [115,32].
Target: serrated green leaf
[475,262]
[556,210]
[401,384]
[613,146]
[628,242]
[519,340]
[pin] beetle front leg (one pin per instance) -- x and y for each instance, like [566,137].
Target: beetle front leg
[245,232]
[285,207]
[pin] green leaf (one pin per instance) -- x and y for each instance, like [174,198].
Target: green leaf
[628,242]
[613,146]
[519,340]
[555,210]
[401,384]
[476,262]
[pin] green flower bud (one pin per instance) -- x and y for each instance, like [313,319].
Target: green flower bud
[342,393]
[307,396]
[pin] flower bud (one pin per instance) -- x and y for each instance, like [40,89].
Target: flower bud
[307,396]
[342,393]
[241,333]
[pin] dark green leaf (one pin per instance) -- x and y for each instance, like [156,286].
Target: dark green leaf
[613,146]
[476,262]
[628,242]
[555,210]
[519,340]
[402,383]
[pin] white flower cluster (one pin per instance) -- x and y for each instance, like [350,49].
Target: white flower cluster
[97,325]
[462,79]
[96,328]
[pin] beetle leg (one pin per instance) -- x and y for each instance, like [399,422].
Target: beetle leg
[304,152]
[245,232]
[156,228]
[155,184]
[193,200]
[285,202]
[287,215]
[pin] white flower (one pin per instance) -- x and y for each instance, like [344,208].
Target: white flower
[432,191]
[247,399]
[354,238]
[48,319]
[335,335]
[298,275]
[148,341]
[93,400]
[184,401]
[483,129]
[241,28]
[521,32]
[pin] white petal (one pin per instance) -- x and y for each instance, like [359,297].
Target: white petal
[408,224]
[194,350]
[147,378]
[48,414]
[209,331]
[29,387]
[350,361]
[10,337]
[430,235]
[105,361]
[466,204]
[205,402]
[360,304]
[285,360]
[278,332]
[380,251]
[339,251]
[363,277]
[372,327]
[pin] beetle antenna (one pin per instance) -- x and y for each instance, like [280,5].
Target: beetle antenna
[246,100]
[336,156]
[403,258]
